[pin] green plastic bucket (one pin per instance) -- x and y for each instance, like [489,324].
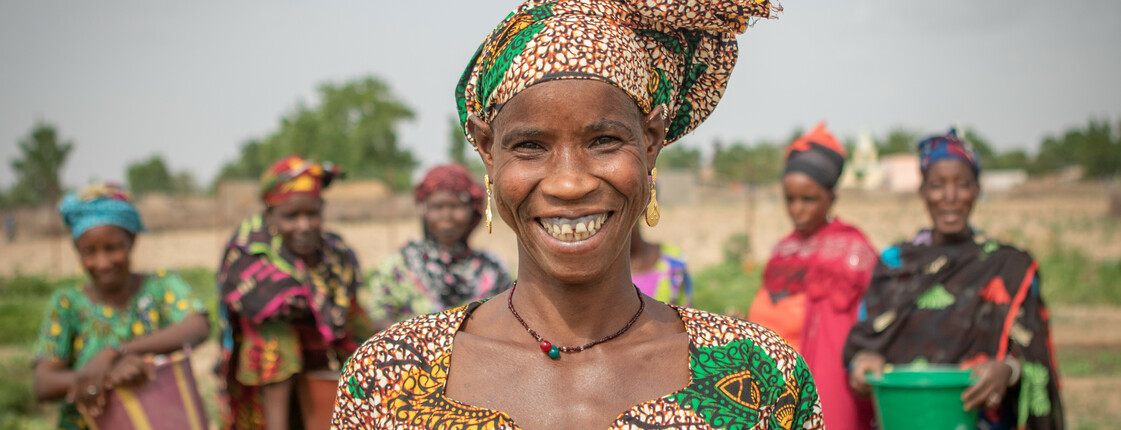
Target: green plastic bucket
[922,397]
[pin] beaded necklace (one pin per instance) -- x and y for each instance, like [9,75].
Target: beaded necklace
[554,351]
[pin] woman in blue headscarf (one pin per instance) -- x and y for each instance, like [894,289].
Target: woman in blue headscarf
[100,334]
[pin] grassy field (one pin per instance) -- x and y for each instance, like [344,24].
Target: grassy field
[1087,360]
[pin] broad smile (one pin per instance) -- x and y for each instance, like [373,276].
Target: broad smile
[574,229]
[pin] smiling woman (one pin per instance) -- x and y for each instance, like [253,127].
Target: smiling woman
[952,295]
[102,335]
[569,103]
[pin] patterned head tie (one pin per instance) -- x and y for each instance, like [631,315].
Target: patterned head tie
[293,175]
[98,204]
[816,154]
[948,146]
[676,53]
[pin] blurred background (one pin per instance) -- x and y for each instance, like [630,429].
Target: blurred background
[186,104]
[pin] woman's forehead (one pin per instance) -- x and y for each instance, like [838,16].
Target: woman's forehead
[584,99]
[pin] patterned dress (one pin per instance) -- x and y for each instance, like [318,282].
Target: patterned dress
[668,281]
[423,278]
[280,317]
[75,328]
[742,376]
[965,303]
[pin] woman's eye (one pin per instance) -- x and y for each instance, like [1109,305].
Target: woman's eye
[527,146]
[606,140]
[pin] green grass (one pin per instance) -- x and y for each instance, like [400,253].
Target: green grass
[725,288]
[1070,277]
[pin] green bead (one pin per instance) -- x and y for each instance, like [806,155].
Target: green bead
[554,352]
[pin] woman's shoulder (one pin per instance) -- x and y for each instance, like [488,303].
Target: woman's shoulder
[418,339]
[708,330]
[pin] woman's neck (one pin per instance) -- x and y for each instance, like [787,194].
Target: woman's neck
[116,296]
[575,313]
[940,238]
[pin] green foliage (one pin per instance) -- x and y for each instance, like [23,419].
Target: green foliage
[38,171]
[458,151]
[758,164]
[680,157]
[1097,148]
[898,140]
[150,175]
[353,125]
[1070,277]
[725,288]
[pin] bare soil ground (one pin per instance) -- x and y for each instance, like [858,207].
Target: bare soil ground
[1072,217]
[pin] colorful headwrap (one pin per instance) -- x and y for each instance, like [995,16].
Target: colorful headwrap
[948,146]
[677,53]
[454,178]
[295,175]
[816,154]
[99,204]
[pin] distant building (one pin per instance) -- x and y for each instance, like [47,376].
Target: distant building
[1003,180]
[901,172]
[863,170]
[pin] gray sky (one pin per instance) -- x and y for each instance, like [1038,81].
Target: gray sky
[128,79]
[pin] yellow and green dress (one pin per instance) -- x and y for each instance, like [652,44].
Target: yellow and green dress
[75,328]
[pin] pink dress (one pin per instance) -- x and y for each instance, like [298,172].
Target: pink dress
[830,270]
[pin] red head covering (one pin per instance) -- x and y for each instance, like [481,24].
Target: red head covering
[454,178]
[293,175]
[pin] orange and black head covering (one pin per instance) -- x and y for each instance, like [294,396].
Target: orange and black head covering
[293,175]
[816,154]
[676,53]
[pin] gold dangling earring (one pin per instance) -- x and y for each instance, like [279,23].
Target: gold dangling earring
[486,180]
[653,215]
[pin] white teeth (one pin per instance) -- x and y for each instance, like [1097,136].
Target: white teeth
[571,230]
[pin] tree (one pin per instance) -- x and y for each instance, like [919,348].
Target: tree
[757,164]
[457,142]
[150,175]
[1096,148]
[39,169]
[354,125]
[680,157]
[898,141]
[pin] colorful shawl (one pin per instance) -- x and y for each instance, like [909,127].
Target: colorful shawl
[261,279]
[280,317]
[99,204]
[424,278]
[678,54]
[964,303]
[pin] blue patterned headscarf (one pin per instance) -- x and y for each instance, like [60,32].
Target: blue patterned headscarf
[948,146]
[96,205]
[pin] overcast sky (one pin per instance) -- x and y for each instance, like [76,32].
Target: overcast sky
[192,81]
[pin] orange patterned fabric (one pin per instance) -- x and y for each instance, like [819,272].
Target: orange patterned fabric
[742,376]
[660,52]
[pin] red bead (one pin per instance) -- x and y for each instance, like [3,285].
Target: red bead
[545,346]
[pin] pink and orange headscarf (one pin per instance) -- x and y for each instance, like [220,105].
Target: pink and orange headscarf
[293,175]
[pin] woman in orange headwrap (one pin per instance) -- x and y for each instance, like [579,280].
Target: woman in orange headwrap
[817,274]
[287,298]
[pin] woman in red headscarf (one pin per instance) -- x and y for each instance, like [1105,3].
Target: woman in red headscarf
[440,271]
[816,276]
[287,299]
